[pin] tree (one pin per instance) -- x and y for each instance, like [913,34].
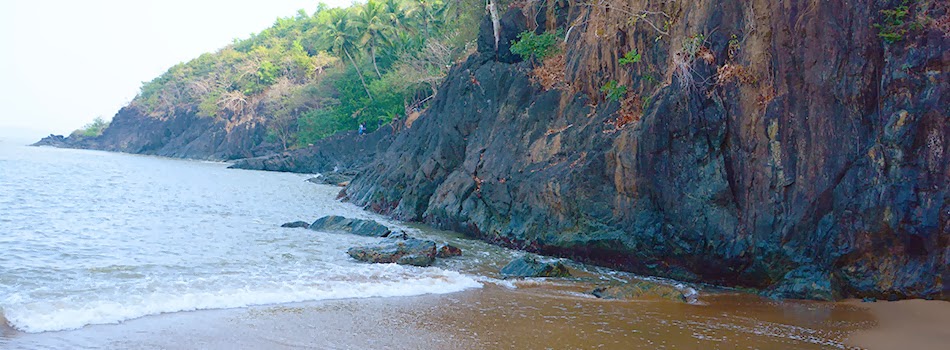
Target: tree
[371,24]
[341,36]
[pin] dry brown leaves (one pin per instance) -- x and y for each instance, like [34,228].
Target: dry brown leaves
[631,110]
[550,74]
[732,72]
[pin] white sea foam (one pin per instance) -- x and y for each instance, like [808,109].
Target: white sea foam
[66,314]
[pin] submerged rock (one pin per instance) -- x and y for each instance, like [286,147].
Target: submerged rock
[446,250]
[411,251]
[360,227]
[531,267]
[296,224]
[646,289]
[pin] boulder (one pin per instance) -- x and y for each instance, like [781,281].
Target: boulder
[532,267]
[646,289]
[296,224]
[367,228]
[411,251]
[804,282]
[446,250]
[333,179]
[398,235]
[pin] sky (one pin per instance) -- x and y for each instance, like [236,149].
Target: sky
[65,62]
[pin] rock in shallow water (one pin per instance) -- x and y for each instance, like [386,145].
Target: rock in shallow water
[398,235]
[411,251]
[367,228]
[446,250]
[333,179]
[645,289]
[531,267]
[296,224]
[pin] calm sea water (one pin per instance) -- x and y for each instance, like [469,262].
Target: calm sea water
[97,238]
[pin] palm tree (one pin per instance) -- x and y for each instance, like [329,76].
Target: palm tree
[340,36]
[422,10]
[371,20]
[396,13]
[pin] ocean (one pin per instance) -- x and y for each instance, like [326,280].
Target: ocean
[90,237]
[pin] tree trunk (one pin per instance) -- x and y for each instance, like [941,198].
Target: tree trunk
[347,52]
[496,24]
[372,48]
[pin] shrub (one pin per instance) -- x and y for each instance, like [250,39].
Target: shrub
[540,46]
[630,57]
[894,27]
[93,129]
[613,91]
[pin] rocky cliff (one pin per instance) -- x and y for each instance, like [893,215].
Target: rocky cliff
[345,152]
[796,147]
[183,134]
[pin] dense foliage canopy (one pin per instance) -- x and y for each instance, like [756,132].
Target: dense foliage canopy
[310,76]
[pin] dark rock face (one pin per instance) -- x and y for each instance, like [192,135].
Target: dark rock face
[411,251]
[341,154]
[823,173]
[644,289]
[367,228]
[296,224]
[531,267]
[446,250]
[181,135]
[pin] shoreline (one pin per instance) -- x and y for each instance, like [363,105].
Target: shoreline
[536,314]
[546,313]
[904,324]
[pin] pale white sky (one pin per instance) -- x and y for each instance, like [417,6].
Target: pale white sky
[65,62]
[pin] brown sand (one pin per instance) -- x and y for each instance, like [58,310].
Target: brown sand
[533,316]
[905,325]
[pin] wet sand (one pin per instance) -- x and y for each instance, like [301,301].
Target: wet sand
[533,316]
[905,324]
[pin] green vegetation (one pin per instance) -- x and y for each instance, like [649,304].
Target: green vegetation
[894,26]
[310,76]
[613,91]
[92,129]
[630,57]
[540,46]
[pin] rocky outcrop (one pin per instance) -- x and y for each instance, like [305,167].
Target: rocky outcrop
[333,179]
[56,141]
[344,153]
[341,224]
[646,289]
[182,134]
[531,267]
[780,146]
[296,224]
[410,251]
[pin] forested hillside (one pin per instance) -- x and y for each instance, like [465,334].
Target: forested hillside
[310,76]
[305,78]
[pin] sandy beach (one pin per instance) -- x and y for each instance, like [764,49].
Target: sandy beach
[905,324]
[545,315]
